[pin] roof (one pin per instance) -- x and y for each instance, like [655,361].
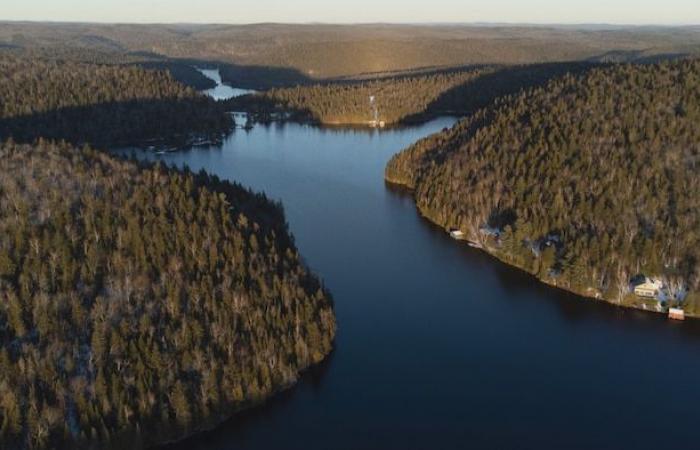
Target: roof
[650,284]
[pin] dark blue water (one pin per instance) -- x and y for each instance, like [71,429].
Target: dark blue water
[439,346]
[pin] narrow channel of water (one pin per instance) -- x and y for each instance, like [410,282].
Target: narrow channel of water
[221,91]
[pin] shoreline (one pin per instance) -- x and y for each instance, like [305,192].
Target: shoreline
[499,258]
[292,116]
[214,423]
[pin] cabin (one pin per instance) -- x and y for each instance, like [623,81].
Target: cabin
[648,288]
[676,314]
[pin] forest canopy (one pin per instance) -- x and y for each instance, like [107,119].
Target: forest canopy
[390,101]
[402,99]
[102,104]
[138,304]
[587,182]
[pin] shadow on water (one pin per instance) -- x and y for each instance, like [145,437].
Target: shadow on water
[520,286]
[401,192]
[310,381]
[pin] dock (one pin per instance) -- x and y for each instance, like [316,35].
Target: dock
[676,314]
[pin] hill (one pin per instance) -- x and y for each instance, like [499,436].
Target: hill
[387,100]
[588,183]
[401,99]
[265,55]
[183,71]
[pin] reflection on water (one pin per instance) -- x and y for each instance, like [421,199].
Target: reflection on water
[440,346]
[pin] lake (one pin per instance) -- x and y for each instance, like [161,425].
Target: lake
[440,346]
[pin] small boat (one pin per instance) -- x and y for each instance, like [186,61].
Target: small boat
[457,234]
[676,314]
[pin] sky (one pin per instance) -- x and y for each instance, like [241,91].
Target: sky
[641,12]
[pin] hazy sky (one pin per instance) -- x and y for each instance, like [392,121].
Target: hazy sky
[248,11]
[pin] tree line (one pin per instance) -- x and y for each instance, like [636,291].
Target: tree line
[182,70]
[586,182]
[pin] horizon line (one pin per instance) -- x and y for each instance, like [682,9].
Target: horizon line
[397,23]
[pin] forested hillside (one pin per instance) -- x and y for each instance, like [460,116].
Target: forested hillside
[183,71]
[586,183]
[265,55]
[403,99]
[349,103]
[105,105]
[139,303]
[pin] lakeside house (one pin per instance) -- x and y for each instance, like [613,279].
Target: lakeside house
[648,288]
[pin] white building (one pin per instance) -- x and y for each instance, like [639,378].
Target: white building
[649,288]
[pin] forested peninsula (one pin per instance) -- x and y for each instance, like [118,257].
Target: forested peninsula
[359,103]
[589,183]
[141,303]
